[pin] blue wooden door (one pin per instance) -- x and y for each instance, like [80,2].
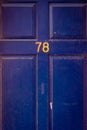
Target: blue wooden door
[43,88]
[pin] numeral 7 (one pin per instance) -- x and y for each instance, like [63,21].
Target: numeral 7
[39,45]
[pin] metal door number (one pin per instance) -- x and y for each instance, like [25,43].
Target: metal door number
[44,46]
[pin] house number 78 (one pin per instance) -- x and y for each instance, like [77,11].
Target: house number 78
[43,45]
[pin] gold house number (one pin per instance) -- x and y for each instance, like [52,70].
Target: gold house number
[44,45]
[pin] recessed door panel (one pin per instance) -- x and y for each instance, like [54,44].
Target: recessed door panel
[66,92]
[18,20]
[67,21]
[19,93]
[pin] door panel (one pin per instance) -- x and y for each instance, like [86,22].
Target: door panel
[13,15]
[67,21]
[19,93]
[66,92]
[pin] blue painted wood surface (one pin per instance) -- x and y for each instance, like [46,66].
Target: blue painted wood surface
[43,91]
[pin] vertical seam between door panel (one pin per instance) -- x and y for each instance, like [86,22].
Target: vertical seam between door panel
[37,92]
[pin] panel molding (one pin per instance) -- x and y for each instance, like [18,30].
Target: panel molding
[67,5]
[1,21]
[18,5]
[85,94]
[0,95]
[50,118]
[86,21]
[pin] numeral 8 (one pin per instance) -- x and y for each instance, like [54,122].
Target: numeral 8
[45,47]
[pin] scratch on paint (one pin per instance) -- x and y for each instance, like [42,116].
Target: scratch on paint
[51,105]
